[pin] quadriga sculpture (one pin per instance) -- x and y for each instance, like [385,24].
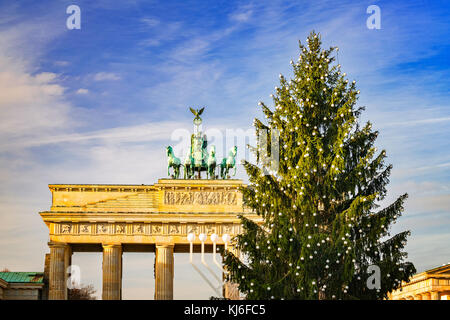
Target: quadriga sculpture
[188,166]
[198,159]
[173,162]
[228,163]
[212,163]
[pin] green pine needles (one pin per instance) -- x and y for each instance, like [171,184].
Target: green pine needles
[321,229]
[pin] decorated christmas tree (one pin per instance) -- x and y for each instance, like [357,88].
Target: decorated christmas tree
[323,227]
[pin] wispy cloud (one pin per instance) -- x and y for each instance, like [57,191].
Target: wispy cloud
[243,14]
[417,122]
[82,91]
[29,103]
[61,63]
[150,22]
[161,32]
[150,132]
[102,76]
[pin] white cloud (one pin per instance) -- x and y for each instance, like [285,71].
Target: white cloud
[138,133]
[241,15]
[416,122]
[29,104]
[61,63]
[152,42]
[150,22]
[102,76]
[82,91]
[32,105]
[161,33]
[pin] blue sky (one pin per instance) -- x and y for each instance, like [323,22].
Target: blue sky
[98,105]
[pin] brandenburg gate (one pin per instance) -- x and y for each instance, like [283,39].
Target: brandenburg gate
[138,218]
[173,215]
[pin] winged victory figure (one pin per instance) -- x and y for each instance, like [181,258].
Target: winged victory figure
[197,113]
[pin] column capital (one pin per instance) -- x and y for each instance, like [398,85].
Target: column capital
[111,245]
[164,245]
[435,295]
[58,244]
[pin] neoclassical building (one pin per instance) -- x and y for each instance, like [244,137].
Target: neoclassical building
[433,284]
[113,219]
[22,286]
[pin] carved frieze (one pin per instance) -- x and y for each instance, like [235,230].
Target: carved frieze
[193,228]
[156,228]
[174,229]
[102,228]
[120,228]
[210,228]
[85,228]
[227,228]
[138,228]
[200,198]
[66,228]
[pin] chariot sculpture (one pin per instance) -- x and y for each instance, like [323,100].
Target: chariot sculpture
[198,158]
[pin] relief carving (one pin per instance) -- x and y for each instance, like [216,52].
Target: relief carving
[156,229]
[85,228]
[227,228]
[120,228]
[138,228]
[66,228]
[192,228]
[200,198]
[210,229]
[174,229]
[102,228]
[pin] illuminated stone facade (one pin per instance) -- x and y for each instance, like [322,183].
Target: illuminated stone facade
[432,284]
[146,218]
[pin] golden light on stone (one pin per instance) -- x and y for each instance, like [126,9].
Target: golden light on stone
[433,284]
[117,218]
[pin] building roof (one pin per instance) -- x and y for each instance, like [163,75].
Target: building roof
[22,277]
[445,268]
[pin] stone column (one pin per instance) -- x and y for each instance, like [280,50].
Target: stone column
[435,295]
[112,272]
[231,290]
[59,259]
[164,272]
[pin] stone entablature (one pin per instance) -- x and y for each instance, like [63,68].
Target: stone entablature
[142,231]
[88,198]
[144,214]
[167,195]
